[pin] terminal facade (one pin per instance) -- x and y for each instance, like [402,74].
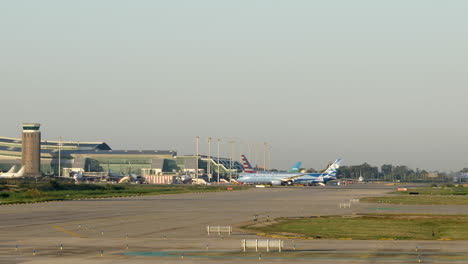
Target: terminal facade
[42,157]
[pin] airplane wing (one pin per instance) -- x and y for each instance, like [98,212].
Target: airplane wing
[292,177]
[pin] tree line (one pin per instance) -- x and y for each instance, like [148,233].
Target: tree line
[389,172]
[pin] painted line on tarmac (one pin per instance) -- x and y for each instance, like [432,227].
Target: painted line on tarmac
[384,208]
[59,228]
[186,254]
[285,237]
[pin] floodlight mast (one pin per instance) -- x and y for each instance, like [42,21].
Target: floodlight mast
[218,159]
[208,167]
[196,170]
[264,155]
[59,155]
[230,161]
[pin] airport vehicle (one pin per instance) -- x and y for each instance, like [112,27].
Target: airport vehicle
[320,178]
[10,174]
[266,177]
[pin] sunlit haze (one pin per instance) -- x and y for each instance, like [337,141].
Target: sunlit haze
[367,81]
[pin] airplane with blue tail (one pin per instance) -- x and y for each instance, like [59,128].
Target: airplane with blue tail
[285,178]
[296,167]
[320,178]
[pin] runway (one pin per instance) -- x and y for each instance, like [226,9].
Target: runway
[102,230]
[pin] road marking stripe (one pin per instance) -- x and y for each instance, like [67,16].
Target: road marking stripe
[68,232]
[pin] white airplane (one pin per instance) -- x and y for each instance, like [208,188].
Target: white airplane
[287,178]
[131,178]
[77,176]
[11,174]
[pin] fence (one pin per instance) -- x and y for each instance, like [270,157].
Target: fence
[262,243]
[219,229]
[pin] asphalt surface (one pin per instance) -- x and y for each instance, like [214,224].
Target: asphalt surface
[103,230]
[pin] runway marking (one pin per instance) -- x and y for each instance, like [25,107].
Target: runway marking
[384,208]
[59,228]
[391,256]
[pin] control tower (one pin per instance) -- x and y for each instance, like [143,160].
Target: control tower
[31,149]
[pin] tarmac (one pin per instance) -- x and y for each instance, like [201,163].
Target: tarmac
[137,229]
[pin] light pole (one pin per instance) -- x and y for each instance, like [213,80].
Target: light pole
[230,160]
[240,148]
[264,155]
[59,155]
[256,155]
[196,170]
[218,159]
[208,168]
[269,157]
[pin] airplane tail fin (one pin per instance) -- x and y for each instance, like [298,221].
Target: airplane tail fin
[12,169]
[20,173]
[296,167]
[247,167]
[333,168]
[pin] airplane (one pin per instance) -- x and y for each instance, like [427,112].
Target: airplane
[320,178]
[296,167]
[266,177]
[131,178]
[113,176]
[77,176]
[287,178]
[11,174]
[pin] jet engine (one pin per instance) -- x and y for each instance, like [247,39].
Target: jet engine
[276,182]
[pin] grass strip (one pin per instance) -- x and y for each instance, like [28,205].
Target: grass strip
[89,191]
[370,227]
[419,200]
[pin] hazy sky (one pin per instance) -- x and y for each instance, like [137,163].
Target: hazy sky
[368,81]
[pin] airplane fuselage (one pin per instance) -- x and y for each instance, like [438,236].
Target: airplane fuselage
[267,177]
[314,178]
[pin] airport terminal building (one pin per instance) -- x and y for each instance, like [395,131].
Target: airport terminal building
[99,157]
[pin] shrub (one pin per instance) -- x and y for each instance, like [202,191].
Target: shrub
[34,193]
[114,187]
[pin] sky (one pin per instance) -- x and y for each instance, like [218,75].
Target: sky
[382,82]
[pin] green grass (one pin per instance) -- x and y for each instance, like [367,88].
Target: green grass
[419,200]
[45,192]
[435,191]
[425,196]
[403,227]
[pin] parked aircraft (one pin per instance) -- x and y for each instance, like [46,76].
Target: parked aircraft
[77,175]
[296,167]
[266,177]
[131,178]
[287,178]
[361,179]
[12,174]
[320,178]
